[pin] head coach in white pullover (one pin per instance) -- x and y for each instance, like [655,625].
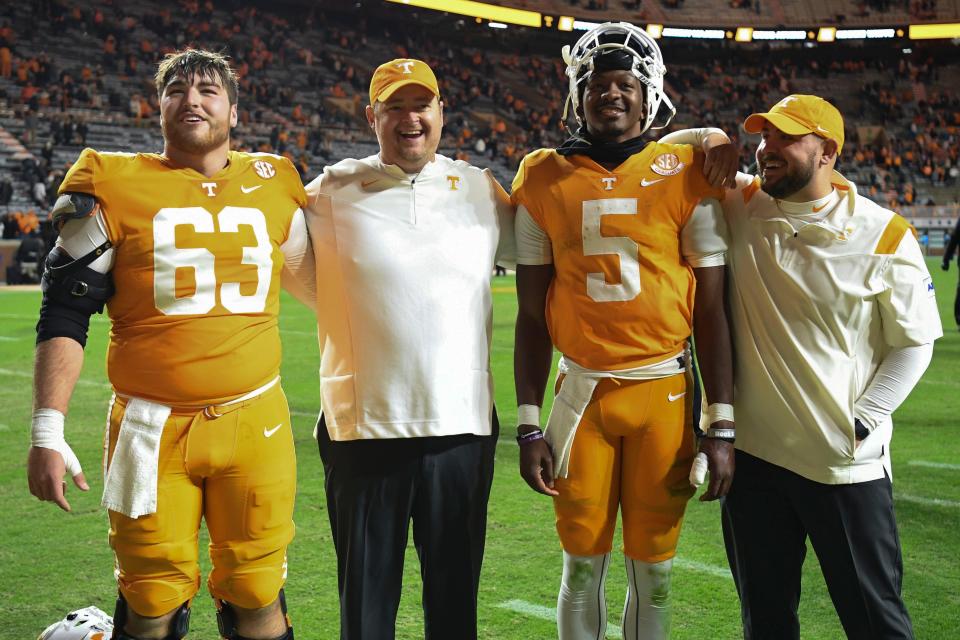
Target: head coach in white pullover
[834,319]
[405,243]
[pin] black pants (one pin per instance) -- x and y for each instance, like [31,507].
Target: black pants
[374,488]
[767,517]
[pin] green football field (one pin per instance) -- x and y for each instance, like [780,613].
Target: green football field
[52,562]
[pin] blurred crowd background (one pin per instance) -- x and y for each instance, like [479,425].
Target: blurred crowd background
[76,74]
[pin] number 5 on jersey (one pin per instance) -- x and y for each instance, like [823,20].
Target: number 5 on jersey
[626,249]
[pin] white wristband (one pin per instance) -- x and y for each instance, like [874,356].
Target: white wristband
[528,414]
[719,411]
[46,428]
[46,431]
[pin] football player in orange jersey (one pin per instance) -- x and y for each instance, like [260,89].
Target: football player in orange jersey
[185,248]
[617,262]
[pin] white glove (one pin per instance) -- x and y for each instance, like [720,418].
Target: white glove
[698,472]
[46,431]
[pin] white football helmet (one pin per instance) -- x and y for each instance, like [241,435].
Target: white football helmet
[624,38]
[84,624]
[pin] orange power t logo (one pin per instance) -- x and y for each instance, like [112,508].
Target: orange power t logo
[454,182]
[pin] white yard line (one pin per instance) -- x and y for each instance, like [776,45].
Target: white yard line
[19,288]
[934,465]
[703,567]
[942,383]
[98,318]
[29,375]
[33,318]
[528,609]
[93,383]
[9,339]
[929,502]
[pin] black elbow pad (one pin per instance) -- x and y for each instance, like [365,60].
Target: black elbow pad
[72,292]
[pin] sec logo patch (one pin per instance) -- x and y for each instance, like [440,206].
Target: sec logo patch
[667,164]
[264,169]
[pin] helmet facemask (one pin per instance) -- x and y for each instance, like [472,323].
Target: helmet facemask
[618,45]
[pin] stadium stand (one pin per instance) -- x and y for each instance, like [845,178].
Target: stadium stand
[766,13]
[304,70]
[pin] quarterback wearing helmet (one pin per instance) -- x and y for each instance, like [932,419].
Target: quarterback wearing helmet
[617,264]
[186,249]
[618,46]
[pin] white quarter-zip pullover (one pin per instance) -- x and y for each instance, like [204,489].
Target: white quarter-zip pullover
[403,296]
[820,298]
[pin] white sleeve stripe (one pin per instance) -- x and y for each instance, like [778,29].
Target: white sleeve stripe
[704,236]
[299,265]
[533,244]
[80,236]
[717,259]
[695,137]
[295,246]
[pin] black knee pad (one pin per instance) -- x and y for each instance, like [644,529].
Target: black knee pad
[179,624]
[227,620]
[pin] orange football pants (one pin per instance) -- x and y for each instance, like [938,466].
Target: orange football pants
[238,471]
[632,451]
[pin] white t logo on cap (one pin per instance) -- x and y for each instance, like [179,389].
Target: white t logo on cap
[406,66]
[786,101]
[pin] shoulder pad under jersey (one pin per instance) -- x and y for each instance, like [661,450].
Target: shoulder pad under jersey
[73,205]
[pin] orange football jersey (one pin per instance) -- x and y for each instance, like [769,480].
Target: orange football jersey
[197,271]
[622,295]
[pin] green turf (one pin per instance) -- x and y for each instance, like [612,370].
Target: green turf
[51,562]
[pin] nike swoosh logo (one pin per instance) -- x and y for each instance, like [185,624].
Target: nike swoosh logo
[647,183]
[269,432]
[364,185]
[815,210]
[674,398]
[250,189]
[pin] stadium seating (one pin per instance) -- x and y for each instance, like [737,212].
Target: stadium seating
[304,76]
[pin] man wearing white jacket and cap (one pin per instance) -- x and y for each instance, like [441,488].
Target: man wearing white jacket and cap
[834,318]
[406,241]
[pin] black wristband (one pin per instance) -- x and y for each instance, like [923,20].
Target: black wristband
[727,435]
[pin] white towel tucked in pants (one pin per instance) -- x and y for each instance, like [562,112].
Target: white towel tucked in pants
[130,486]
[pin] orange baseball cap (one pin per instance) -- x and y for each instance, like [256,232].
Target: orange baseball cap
[799,115]
[392,75]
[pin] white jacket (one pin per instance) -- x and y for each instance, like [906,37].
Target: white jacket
[817,302]
[403,296]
